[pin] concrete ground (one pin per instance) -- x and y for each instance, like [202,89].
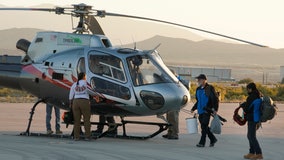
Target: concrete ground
[232,143]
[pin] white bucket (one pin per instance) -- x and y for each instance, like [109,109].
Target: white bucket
[191,125]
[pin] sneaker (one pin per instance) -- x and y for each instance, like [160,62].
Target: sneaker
[256,157]
[200,145]
[49,132]
[248,156]
[76,139]
[87,139]
[213,143]
[58,132]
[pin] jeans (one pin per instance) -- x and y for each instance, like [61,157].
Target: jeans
[205,130]
[251,135]
[48,117]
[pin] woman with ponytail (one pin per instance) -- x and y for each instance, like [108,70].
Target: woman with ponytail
[79,101]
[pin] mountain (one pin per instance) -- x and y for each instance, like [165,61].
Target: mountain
[244,60]
[212,53]
[178,50]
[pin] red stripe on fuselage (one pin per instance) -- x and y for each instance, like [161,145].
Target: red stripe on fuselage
[36,72]
[65,81]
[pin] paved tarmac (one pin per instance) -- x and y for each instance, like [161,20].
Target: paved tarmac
[232,143]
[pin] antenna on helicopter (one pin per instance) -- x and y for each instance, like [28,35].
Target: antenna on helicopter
[135,46]
[134,42]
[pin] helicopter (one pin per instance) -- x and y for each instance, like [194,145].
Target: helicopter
[127,81]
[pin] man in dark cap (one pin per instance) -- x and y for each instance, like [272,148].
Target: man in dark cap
[207,103]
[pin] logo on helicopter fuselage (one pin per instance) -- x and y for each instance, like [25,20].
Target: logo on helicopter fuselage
[72,40]
[66,39]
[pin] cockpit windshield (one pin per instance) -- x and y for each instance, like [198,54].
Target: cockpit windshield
[149,69]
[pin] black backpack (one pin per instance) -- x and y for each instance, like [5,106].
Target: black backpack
[213,95]
[268,109]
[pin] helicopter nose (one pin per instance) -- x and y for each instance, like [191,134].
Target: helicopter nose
[178,98]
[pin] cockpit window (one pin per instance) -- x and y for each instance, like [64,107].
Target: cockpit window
[107,66]
[110,88]
[143,71]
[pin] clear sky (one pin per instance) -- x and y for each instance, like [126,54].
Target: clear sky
[259,21]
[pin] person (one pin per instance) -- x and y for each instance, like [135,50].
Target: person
[48,119]
[173,130]
[173,116]
[252,113]
[207,103]
[100,127]
[80,103]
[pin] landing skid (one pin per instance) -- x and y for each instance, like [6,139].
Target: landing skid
[109,133]
[162,127]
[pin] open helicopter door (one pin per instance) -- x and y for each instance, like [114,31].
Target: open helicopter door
[106,74]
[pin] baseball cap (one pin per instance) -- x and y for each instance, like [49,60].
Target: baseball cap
[201,76]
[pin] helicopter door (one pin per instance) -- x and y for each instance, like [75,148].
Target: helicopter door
[108,75]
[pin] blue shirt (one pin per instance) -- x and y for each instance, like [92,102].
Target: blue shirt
[202,100]
[256,109]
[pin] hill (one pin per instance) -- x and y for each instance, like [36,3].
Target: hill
[260,64]
[213,53]
[245,60]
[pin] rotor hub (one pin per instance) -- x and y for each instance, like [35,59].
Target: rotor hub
[82,9]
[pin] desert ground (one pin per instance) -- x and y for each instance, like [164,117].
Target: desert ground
[232,143]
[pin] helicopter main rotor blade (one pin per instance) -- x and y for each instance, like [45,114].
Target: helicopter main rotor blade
[103,13]
[57,10]
[94,25]
[28,9]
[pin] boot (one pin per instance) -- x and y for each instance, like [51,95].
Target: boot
[49,132]
[256,157]
[249,156]
[58,132]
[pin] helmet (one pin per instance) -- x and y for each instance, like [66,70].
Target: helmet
[237,118]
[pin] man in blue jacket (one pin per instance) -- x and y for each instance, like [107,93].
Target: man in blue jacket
[207,103]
